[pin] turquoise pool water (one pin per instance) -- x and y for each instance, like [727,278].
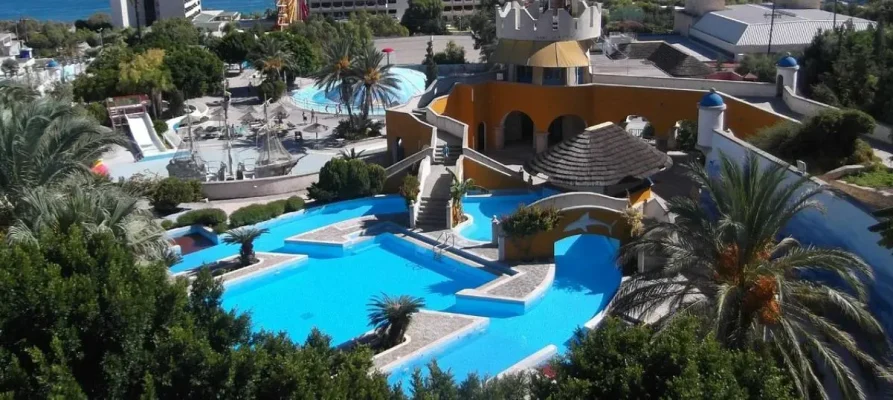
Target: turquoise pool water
[585,280]
[285,227]
[483,208]
[331,293]
[410,83]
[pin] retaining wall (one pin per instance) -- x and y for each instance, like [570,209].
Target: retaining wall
[258,187]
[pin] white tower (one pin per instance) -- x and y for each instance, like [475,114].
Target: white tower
[786,73]
[711,117]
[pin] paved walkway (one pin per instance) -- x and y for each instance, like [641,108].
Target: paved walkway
[347,231]
[427,328]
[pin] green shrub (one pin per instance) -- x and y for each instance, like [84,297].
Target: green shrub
[197,194]
[293,204]
[167,224]
[523,224]
[410,189]
[825,141]
[210,217]
[159,125]
[169,193]
[254,213]
[342,179]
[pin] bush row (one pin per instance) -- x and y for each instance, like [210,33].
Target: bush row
[167,194]
[255,213]
[343,179]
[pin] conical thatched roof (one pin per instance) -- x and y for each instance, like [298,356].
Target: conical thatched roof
[602,155]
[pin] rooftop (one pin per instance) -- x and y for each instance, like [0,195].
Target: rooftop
[665,57]
[748,24]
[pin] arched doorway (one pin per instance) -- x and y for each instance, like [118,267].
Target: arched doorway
[517,129]
[481,138]
[565,127]
[779,85]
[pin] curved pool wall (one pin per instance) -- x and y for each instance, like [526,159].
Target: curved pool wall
[482,208]
[312,97]
[292,224]
[586,279]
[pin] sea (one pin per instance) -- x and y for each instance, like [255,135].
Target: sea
[70,10]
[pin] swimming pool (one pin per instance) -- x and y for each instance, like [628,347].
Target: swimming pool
[410,83]
[585,281]
[482,208]
[331,293]
[294,224]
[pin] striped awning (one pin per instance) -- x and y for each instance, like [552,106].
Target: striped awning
[540,54]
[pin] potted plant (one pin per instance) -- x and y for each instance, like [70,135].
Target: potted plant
[245,238]
[526,222]
[391,317]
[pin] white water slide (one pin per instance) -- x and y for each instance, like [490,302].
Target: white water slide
[147,141]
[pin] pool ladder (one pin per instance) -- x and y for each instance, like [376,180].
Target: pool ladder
[444,241]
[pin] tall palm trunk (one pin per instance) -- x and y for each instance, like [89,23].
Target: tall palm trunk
[346,95]
[367,100]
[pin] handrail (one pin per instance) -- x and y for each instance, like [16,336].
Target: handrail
[489,162]
[441,247]
[408,161]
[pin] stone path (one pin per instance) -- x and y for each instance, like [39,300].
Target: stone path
[427,328]
[345,231]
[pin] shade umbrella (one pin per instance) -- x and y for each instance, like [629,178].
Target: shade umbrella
[387,51]
[315,128]
[280,112]
[247,118]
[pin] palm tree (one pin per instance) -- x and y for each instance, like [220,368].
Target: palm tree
[337,72]
[45,141]
[374,80]
[731,266]
[245,237]
[92,206]
[391,316]
[458,190]
[271,57]
[353,154]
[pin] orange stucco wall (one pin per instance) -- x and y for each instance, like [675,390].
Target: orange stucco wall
[490,103]
[640,196]
[543,245]
[488,178]
[415,134]
[438,104]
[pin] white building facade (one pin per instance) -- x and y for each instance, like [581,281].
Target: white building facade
[124,12]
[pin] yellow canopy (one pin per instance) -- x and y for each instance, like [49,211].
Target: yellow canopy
[540,54]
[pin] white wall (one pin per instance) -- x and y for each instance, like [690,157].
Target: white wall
[258,187]
[808,107]
[734,88]
[843,224]
[515,22]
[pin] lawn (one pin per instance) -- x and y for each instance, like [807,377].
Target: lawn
[879,178]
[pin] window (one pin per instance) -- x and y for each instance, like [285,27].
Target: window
[524,74]
[392,11]
[554,76]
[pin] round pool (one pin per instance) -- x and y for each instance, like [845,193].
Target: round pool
[409,83]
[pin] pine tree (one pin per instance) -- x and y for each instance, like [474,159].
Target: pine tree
[430,64]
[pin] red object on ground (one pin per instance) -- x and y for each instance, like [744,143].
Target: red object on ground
[99,168]
[387,50]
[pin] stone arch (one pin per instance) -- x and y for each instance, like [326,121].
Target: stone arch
[577,220]
[481,137]
[565,127]
[518,129]
[779,85]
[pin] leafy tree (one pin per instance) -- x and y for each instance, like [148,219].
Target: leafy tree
[409,189]
[271,89]
[167,194]
[303,58]
[245,237]
[381,25]
[271,57]
[617,361]
[424,16]
[195,72]
[101,80]
[79,318]
[374,81]
[451,54]
[345,179]
[483,28]
[44,141]
[430,64]
[754,285]
[391,316]
[687,135]
[10,67]
[760,65]
[146,73]
[234,47]
[170,33]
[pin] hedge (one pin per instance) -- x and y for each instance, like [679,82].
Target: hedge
[211,217]
[343,179]
[254,213]
[167,194]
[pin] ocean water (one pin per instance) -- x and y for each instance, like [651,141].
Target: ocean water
[70,10]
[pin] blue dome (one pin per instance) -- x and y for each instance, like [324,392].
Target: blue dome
[52,64]
[787,62]
[711,99]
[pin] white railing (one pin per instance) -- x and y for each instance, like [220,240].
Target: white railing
[424,172]
[578,199]
[447,124]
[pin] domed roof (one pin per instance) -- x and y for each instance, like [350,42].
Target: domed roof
[711,99]
[52,64]
[787,62]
